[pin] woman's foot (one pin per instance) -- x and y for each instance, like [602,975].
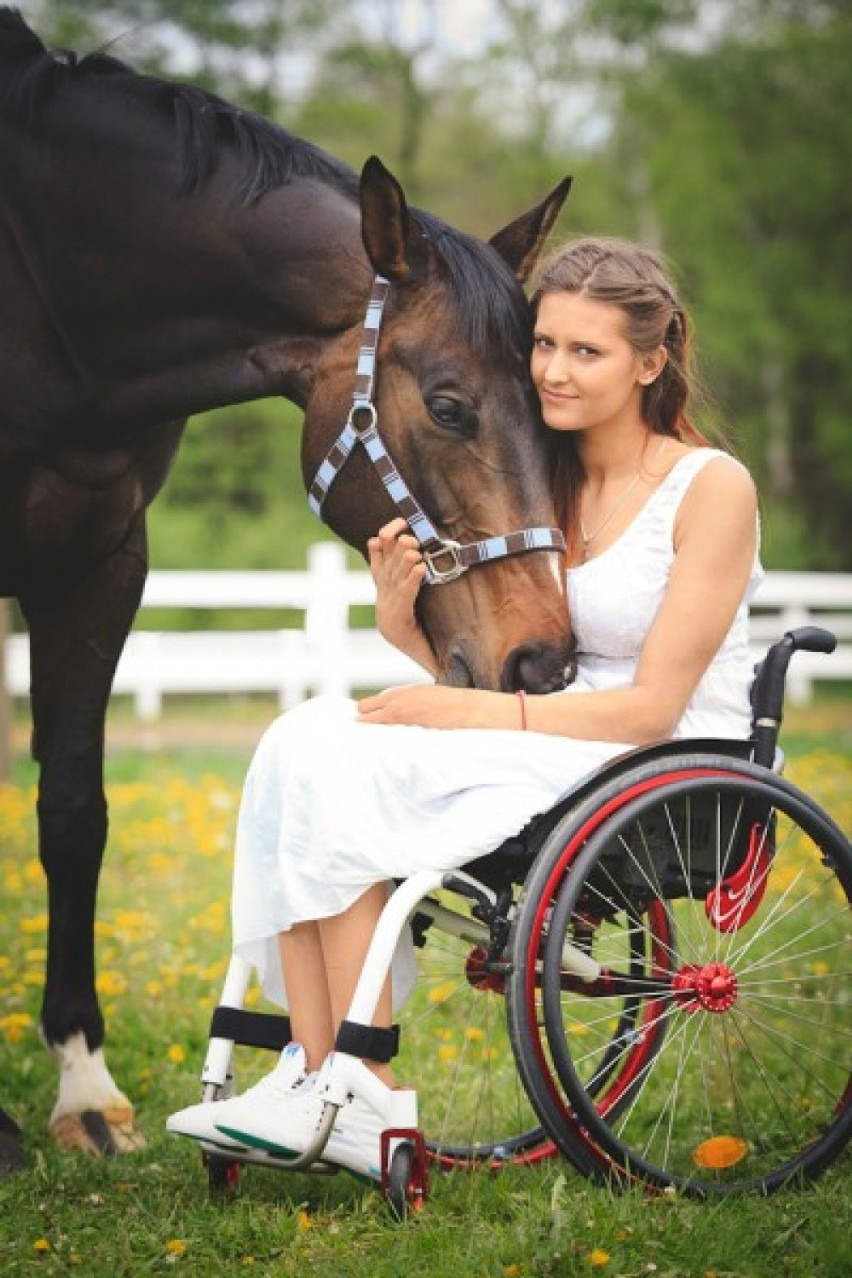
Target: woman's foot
[275,1091]
[354,1142]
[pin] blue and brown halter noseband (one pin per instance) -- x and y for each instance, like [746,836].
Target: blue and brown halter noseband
[445,560]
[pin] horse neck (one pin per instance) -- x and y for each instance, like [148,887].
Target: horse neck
[166,280]
[175,302]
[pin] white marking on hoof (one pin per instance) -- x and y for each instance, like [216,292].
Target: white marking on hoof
[90,1113]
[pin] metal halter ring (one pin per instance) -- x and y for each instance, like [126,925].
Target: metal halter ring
[362,406]
[439,576]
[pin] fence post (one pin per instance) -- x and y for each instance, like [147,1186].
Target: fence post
[327,616]
[149,690]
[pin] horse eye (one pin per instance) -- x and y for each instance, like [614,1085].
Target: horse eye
[447,413]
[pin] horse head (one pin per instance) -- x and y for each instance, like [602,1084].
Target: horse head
[458,415]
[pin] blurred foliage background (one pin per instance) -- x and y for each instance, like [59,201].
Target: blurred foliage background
[718,131]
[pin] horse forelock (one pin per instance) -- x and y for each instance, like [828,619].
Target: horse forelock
[492,312]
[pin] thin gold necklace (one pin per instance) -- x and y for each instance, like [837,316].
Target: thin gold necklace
[589,537]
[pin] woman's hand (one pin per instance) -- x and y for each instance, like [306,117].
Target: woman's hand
[398,570]
[437,706]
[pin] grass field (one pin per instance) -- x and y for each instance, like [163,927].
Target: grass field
[163,941]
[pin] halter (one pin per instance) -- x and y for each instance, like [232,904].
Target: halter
[445,560]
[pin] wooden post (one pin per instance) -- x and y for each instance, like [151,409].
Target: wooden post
[5,698]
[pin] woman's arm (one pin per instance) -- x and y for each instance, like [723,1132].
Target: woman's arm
[715,535]
[398,571]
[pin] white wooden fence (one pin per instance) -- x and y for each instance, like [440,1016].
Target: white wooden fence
[326,654]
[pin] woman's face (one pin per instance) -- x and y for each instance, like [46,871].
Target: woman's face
[585,371]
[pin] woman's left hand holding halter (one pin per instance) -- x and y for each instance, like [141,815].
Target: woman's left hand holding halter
[398,570]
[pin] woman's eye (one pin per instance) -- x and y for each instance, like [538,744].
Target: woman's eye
[447,413]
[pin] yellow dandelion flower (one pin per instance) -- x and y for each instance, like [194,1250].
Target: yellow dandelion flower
[35,923]
[41,1244]
[14,1025]
[447,1052]
[598,1257]
[176,1053]
[304,1220]
[176,1247]
[153,989]
[110,984]
[474,1034]
[440,993]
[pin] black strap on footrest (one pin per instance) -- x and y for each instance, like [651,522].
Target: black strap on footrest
[251,1029]
[368,1041]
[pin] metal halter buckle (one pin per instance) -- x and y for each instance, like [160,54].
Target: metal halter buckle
[441,575]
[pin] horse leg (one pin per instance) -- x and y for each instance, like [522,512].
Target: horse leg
[12,1156]
[76,639]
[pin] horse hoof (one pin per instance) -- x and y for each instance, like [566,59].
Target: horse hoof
[100,1133]
[12,1156]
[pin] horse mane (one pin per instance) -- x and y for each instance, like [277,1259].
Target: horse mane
[491,310]
[269,156]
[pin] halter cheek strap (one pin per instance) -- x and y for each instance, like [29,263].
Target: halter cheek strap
[445,559]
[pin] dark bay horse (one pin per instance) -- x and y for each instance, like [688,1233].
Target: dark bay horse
[162,253]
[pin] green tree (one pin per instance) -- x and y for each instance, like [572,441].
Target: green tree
[746,147]
[239,48]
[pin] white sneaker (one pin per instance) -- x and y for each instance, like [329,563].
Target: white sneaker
[354,1142]
[275,1090]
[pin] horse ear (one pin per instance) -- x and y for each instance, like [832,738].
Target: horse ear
[396,245]
[520,243]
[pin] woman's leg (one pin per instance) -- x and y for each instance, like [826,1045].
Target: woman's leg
[311,1018]
[322,962]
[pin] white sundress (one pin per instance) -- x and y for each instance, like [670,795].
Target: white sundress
[332,806]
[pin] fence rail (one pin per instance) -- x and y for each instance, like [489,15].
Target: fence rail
[326,654]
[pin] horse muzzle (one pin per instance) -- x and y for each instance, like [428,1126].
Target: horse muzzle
[536,667]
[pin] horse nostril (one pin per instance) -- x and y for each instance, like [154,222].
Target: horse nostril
[536,667]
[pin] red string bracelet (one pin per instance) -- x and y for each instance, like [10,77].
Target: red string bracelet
[522,698]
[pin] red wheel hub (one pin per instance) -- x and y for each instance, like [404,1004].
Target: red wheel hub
[479,975]
[709,986]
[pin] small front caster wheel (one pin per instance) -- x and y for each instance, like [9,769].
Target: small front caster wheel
[404,1193]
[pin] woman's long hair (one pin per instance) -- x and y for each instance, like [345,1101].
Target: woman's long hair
[632,278]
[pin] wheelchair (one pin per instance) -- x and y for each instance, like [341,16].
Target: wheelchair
[649,980]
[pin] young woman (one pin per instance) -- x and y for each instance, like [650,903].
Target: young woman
[342,798]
